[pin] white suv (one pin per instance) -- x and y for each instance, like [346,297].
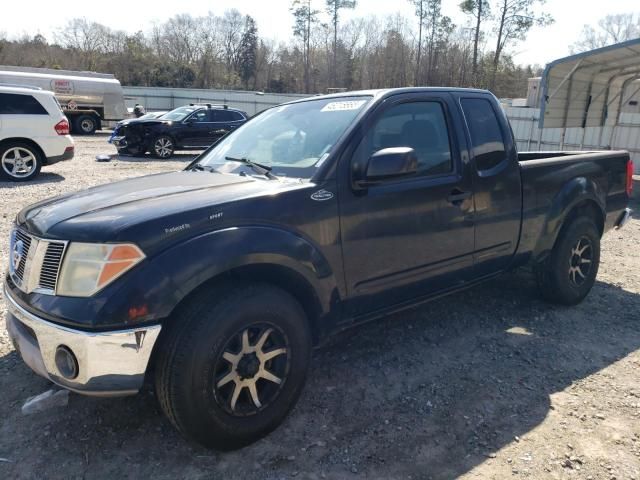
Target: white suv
[33,132]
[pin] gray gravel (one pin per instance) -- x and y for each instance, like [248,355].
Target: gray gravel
[491,383]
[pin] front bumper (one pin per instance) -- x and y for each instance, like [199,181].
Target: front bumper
[109,363]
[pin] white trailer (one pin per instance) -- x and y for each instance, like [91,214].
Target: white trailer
[90,100]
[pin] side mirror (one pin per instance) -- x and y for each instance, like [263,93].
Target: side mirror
[191,122]
[389,164]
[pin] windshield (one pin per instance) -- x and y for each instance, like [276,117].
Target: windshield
[293,140]
[178,114]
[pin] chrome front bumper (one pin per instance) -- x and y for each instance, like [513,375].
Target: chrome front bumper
[109,363]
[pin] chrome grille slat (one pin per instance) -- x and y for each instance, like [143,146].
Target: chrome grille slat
[51,266]
[41,261]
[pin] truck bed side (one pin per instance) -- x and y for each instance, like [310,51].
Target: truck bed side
[556,184]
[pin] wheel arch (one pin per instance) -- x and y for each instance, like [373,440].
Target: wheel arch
[579,197]
[8,141]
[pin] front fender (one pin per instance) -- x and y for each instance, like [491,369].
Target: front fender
[572,193]
[199,259]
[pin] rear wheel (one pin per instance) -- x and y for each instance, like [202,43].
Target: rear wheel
[162,147]
[569,273]
[233,366]
[19,162]
[85,125]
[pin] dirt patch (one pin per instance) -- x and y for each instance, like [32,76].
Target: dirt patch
[491,383]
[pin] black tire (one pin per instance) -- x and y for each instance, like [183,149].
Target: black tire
[163,147]
[193,364]
[30,158]
[577,248]
[85,125]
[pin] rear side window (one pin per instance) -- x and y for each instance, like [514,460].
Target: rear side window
[420,125]
[486,136]
[225,116]
[17,104]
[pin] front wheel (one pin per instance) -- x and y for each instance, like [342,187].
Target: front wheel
[570,271]
[233,366]
[162,146]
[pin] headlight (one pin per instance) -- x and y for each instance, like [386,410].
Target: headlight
[89,267]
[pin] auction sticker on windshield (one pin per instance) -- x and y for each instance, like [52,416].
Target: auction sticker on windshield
[342,106]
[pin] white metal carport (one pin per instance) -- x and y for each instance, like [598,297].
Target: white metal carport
[590,89]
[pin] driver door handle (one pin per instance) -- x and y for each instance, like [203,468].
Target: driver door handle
[457,196]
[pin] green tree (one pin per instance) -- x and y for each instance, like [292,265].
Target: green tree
[333,9]
[304,18]
[514,20]
[480,11]
[248,51]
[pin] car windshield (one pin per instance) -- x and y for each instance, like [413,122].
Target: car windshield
[178,114]
[293,140]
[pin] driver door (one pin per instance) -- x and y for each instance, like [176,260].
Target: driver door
[195,129]
[407,238]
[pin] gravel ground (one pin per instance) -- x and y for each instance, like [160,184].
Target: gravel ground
[490,383]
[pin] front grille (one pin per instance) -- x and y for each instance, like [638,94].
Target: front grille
[26,241]
[39,264]
[51,265]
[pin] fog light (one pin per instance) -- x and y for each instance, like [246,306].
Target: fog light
[66,362]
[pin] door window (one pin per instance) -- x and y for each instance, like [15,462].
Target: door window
[486,136]
[15,104]
[200,116]
[419,125]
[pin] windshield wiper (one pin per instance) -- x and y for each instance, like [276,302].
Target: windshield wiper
[258,168]
[203,168]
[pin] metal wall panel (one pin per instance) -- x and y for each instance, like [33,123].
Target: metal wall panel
[159,98]
[626,136]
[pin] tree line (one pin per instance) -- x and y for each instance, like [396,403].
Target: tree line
[324,53]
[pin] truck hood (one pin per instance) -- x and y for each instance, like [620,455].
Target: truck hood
[102,213]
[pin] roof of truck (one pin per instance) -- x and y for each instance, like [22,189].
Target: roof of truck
[383,92]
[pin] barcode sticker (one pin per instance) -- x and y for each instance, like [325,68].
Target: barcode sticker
[342,106]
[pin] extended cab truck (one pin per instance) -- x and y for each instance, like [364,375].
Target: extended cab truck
[216,281]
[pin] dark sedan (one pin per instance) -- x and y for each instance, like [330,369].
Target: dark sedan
[192,127]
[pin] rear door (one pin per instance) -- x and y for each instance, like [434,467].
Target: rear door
[407,238]
[496,183]
[224,121]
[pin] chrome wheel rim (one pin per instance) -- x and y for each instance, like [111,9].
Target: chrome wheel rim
[18,162]
[163,147]
[252,369]
[86,125]
[580,261]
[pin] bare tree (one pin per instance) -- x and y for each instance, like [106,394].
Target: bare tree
[88,38]
[609,30]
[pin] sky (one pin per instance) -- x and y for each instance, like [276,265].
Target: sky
[275,21]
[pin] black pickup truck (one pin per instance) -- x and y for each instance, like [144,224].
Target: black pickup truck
[215,282]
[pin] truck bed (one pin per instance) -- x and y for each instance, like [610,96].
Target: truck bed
[551,179]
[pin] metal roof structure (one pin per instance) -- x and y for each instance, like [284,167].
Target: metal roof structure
[590,88]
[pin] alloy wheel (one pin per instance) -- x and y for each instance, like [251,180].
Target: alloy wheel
[580,261]
[251,370]
[18,162]
[163,147]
